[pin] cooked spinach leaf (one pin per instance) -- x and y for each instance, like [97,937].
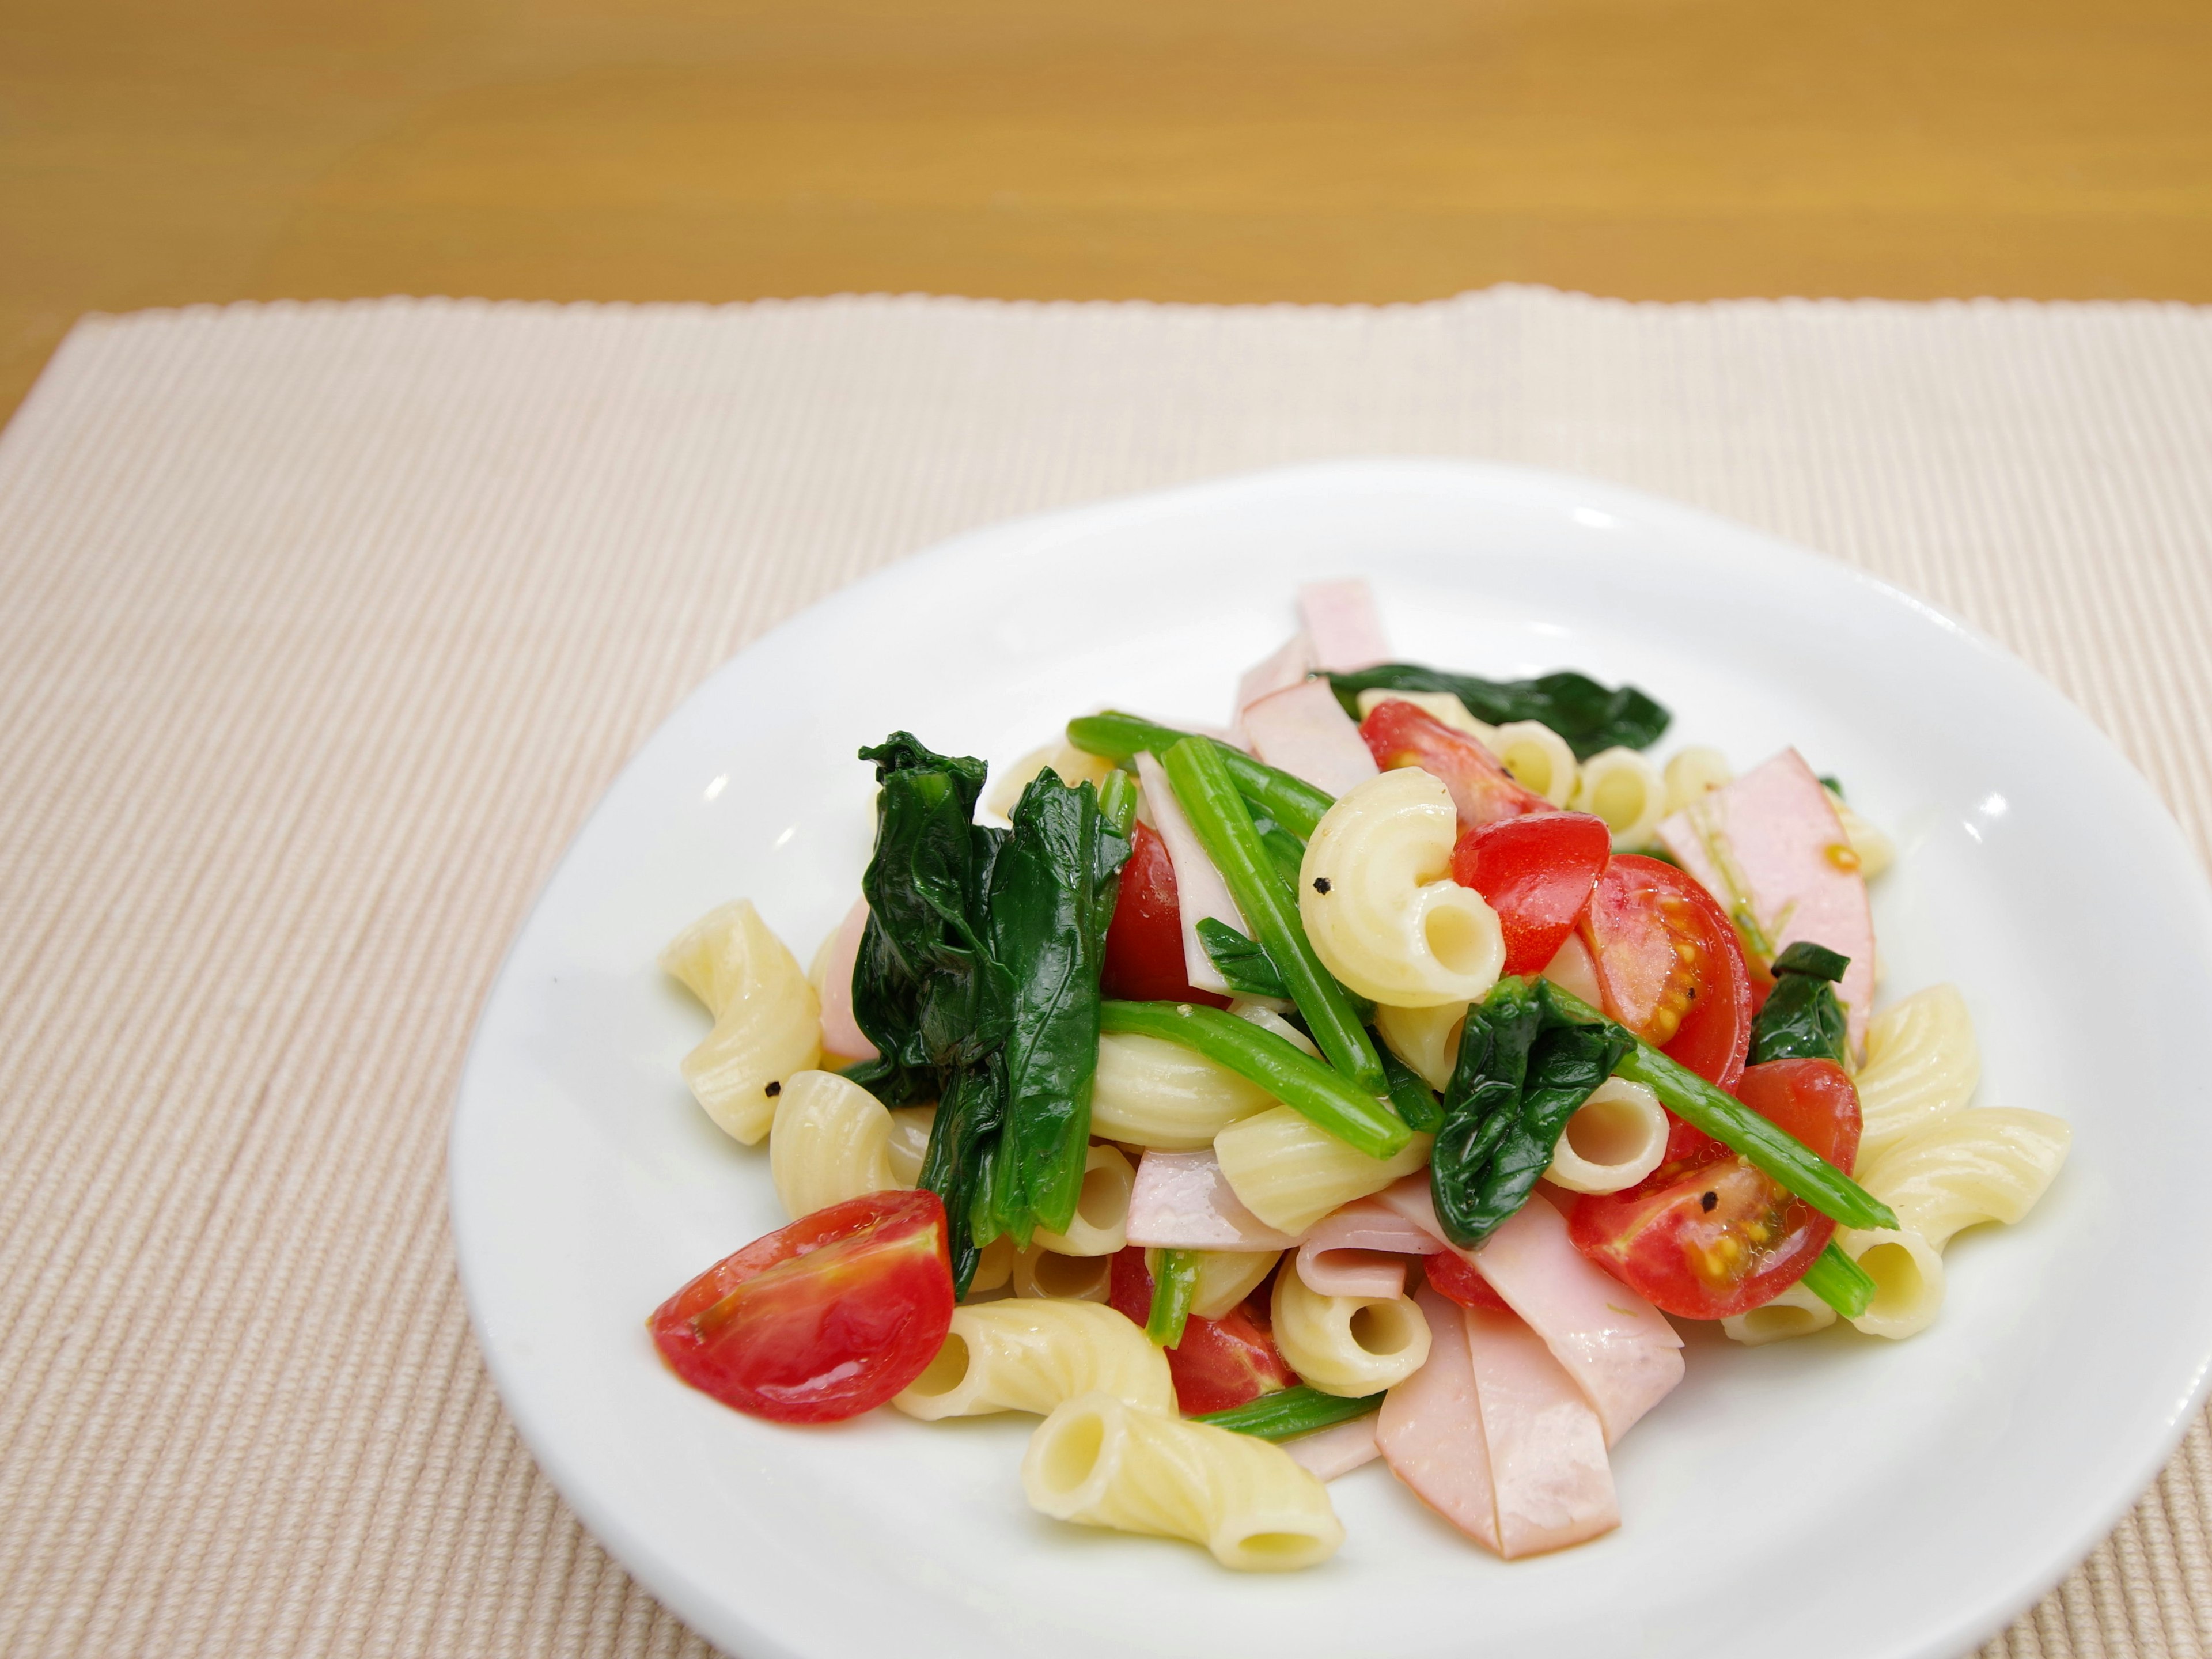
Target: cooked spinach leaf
[1589,716]
[1523,1067]
[1802,1019]
[1243,961]
[1052,895]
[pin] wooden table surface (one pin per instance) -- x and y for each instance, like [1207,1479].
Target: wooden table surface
[157,152]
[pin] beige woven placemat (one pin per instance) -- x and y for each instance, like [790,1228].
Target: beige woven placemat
[321,627]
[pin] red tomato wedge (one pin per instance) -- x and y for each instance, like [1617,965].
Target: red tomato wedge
[1482,791]
[1144,943]
[1454,1278]
[1671,965]
[1537,871]
[1716,1236]
[821,1320]
[1219,1363]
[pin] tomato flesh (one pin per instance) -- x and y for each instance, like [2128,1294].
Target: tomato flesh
[1670,966]
[1144,943]
[1537,871]
[1454,1278]
[1401,733]
[821,1320]
[1713,1236]
[1219,1363]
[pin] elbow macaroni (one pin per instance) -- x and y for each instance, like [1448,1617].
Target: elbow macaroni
[1379,904]
[831,1142]
[1539,758]
[1071,764]
[1225,1278]
[1427,1039]
[1349,1345]
[909,1142]
[1441,705]
[1922,1064]
[1027,1356]
[1101,1223]
[1615,1138]
[1049,1275]
[1151,1093]
[1290,1173]
[1625,790]
[768,1021]
[1101,1463]
[1988,1165]
[1693,775]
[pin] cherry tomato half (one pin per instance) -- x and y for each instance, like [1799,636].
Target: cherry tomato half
[1219,1363]
[821,1320]
[1716,1236]
[1144,943]
[1454,1277]
[1401,733]
[1671,966]
[1537,871]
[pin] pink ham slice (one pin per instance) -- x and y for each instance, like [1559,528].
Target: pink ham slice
[1621,1351]
[1305,731]
[1181,1202]
[840,1034]
[1548,1474]
[1338,1449]
[1200,891]
[1340,621]
[1430,1428]
[1289,667]
[1770,843]
[1361,1250]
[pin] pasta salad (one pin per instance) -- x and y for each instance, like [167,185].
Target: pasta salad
[1374,1079]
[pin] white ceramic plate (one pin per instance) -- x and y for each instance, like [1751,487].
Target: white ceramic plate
[1839,1497]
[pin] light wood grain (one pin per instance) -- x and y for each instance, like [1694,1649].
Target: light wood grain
[157,154]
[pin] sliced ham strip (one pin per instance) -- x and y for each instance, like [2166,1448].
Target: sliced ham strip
[1305,731]
[1338,1449]
[1770,844]
[1289,667]
[1341,621]
[1621,1352]
[840,1034]
[1549,1478]
[1430,1428]
[1360,1250]
[1200,891]
[1181,1202]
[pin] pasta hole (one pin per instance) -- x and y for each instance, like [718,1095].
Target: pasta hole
[1073,1456]
[1380,1328]
[1104,1200]
[948,1370]
[1457,939]
[1618,798]
[1606,1132]
[1057,1275]
[1898,1284]
[1530,764]
[1276,1548]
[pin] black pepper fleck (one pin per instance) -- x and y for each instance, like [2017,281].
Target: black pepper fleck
[1321,883]
[1709,1200]
[774,1090]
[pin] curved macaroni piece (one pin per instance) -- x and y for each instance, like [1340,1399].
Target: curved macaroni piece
[1922,1064]
[1441,705]
[1692,775]
[1100,1463]
[1990,1163]
[1427,1039]
[1073,765]
[1027,1356]
[1626,791]
[994,1270]
[1796,1312]
[1539,758]
[768,1021]
[1152,1092]
[1225,1278]
[1101,1225]
[831,1142]
[1876,851]
[1290,1173]
[1908,1279]
[1350,1346]
[1051,1276]
[1615,1138]
[909,1142]
[1379,903]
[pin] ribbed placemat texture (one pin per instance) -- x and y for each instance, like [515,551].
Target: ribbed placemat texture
[321,627]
